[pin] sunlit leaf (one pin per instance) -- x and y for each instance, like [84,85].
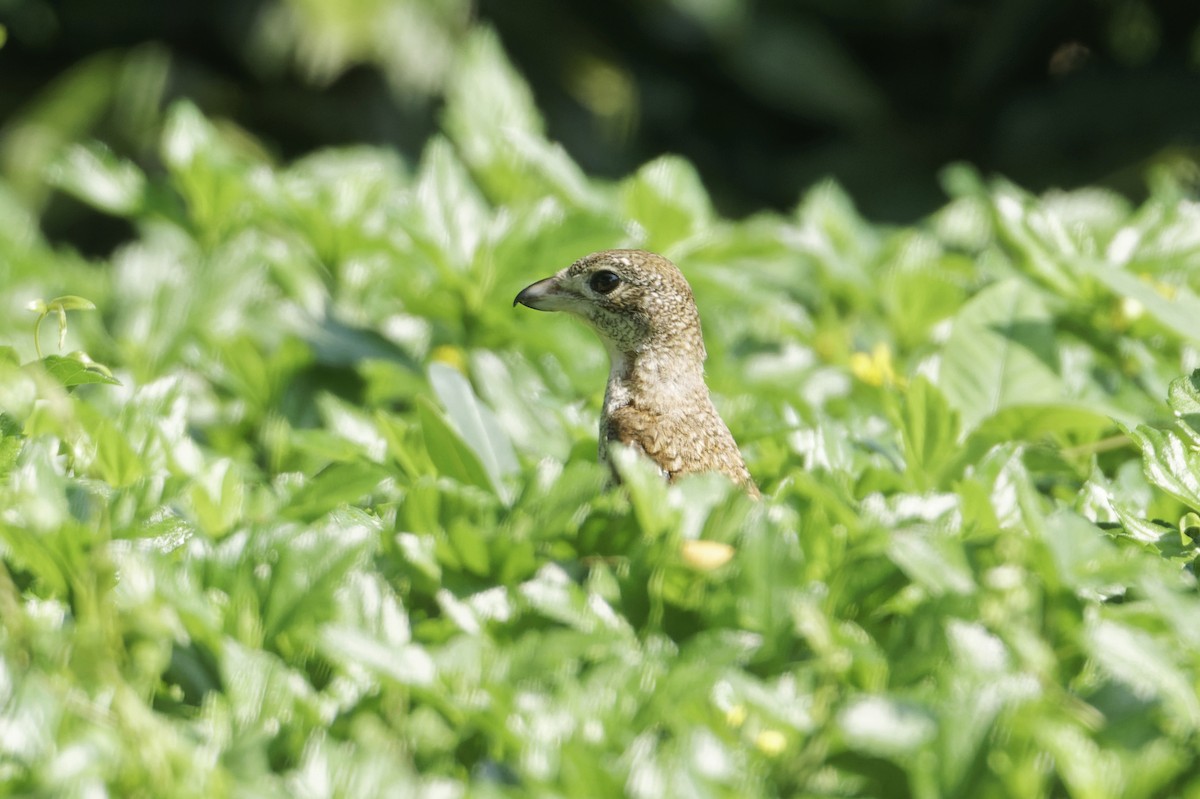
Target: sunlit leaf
[1183,395]
[406,665]
[72,372]
[310,565]
[98,177]
[452,456]
[475,423]
[338,484]
[930,429]
[1135,657]
[881,726]
[1178,314]
[1170,463]
[118,463]
[449,213]
[667,198]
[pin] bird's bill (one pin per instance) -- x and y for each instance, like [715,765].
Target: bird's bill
[546,295]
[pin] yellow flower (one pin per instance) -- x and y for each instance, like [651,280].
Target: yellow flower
[706,556]
[875,368]
[451,356]
[771,742]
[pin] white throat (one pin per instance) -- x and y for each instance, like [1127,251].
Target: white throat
[660,381]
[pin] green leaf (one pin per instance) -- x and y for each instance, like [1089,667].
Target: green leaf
[506,385]
[310,565]
[116,462]
[1086,560]
[922,285]
[1183,395]
[1169,463]
[1060,422]
[656,508]
[217,498]
[352,424]
[932,561]
[259,686]
[1001,352]
[491,117]
[1145,663]
[452,456]
[187,136]
[336,485]
[477,426]
[929,427]
[405,665]
[470,546]
[98,177]
[69,302]
[667,198]
[886,727]
[72,372]
[1177,315]
[39,532]
[211,169]
[1038,238]
[419,551]
[11,441]
[485,93]
[553,595]
[448,215]
[835,236]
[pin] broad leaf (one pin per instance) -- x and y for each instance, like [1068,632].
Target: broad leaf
[452,456]
[1000,353]
[476,424]
[72,372]
[1170,463]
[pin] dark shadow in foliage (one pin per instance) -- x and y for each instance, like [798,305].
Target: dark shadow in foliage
[1036,336]
[194,671]
[764,97]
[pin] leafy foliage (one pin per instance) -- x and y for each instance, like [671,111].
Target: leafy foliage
[340,529]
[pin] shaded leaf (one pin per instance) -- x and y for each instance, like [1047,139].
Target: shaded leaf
[452,456]
[1000,353]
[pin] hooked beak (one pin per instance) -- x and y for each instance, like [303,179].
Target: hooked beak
[541,296]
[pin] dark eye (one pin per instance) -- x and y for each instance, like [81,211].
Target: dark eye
[604,281]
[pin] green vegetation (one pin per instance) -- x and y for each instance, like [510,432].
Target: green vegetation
[339,530]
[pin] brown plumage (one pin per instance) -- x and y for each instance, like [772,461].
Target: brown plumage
[656,400]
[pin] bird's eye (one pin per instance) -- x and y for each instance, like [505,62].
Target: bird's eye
[604,281]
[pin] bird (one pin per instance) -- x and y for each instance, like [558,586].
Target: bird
[656,400]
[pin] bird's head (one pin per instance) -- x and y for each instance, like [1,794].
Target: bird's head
[634,300]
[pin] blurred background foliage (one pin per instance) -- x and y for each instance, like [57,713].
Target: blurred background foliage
[763,97]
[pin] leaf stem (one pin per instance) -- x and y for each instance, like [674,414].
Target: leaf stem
[1096,447]
[37,326]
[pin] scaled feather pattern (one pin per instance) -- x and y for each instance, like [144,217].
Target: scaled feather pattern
[656,400]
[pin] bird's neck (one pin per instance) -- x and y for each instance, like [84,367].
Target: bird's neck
[657,376]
